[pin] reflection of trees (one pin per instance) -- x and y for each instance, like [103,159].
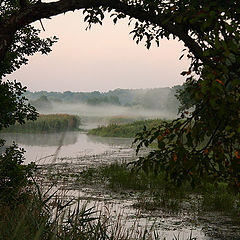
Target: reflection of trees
[38,139]
[56,139]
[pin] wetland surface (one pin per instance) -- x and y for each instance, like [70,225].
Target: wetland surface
[63,154]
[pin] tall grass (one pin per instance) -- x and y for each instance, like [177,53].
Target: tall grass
[48,123]
[124,130]
[122,119]
[29,213]
[44,217]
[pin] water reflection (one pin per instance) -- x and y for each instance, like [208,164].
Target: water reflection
[111,140]
[65,145]
[78,150]
[41,139]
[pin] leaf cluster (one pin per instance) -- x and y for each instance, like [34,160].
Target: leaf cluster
[204,142]
[14,177]
[26,43]
[16,108]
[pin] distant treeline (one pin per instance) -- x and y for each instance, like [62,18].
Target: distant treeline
[124,130]
[48,123]
[155,99]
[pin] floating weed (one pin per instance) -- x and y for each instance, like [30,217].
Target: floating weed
[121,178]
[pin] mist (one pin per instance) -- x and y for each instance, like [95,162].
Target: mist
[107,110]
[100,108]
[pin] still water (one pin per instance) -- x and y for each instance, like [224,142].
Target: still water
[40,147]
[73,151]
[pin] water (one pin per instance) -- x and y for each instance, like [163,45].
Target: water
[40,148]
[74,151]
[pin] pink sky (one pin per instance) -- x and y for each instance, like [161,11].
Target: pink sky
[101,59]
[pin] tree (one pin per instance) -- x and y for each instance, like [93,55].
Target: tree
[203,143]
[42,103]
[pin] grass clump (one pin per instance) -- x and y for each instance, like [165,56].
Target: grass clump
[117,176]
[157,193]
[47,123]
[128,130]
[121,178]
[51,218]
[220,198]
[28,213]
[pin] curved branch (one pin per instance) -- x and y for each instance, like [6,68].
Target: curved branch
[41,10]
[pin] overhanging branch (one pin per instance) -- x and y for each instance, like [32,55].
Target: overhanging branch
[41,10]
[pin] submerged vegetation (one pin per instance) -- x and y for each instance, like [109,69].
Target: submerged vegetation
[158,193]
[128,130]
[30,212]
[48,123]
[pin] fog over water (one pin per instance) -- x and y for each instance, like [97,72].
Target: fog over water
[72,152]
[108,110]
[125,103]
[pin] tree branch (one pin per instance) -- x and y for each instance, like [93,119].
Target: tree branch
[41,10]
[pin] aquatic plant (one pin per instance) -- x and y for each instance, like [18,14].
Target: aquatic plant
[157,193]
[124,130]
[48,123]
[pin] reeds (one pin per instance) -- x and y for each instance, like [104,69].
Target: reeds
[124,130]
[48,123]
[52,218]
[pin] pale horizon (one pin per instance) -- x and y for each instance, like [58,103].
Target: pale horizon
[102,59]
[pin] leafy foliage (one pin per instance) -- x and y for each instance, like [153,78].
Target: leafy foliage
[204,142]
[16,108]
[14,177]
[26,43]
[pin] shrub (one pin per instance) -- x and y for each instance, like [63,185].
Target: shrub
[14,177]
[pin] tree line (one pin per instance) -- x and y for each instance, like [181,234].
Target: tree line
[155,99]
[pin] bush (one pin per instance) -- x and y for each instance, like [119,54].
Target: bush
[14,177]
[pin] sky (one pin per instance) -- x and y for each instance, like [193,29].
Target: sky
[100,59]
